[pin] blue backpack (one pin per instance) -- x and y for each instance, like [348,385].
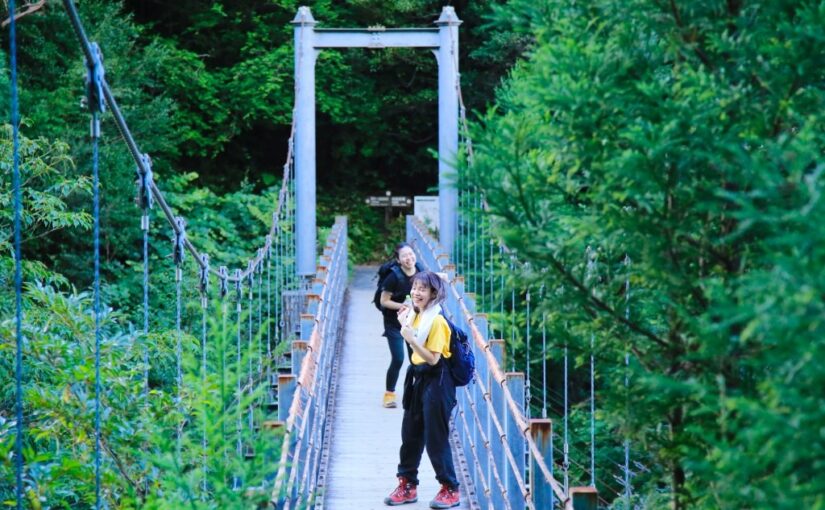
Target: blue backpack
[462,361]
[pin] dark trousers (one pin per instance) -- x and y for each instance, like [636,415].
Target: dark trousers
[396,344]
[426,424]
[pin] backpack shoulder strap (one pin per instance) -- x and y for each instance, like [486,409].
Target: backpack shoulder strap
[449,322]
[396,269]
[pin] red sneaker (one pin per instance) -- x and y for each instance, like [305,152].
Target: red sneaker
[406,492]
[447,497]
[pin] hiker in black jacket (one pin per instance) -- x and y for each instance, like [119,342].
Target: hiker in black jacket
[395,289]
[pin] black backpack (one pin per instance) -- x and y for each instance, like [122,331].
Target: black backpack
[384,271]
[462,361]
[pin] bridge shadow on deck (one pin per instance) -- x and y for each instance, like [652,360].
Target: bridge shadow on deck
[366,437]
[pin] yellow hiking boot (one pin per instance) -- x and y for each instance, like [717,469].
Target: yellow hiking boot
[389,399]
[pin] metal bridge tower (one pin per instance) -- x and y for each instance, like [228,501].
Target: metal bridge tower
[443,41]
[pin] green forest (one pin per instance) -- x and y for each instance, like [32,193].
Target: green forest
[654,166]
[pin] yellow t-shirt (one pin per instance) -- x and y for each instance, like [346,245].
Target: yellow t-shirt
[437,341]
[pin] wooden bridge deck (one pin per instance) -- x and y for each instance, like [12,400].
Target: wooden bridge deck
[366,437]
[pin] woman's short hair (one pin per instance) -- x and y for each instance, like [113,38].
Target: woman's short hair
[397,251]
[434,282]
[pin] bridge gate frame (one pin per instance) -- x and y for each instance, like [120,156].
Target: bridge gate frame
[309,40]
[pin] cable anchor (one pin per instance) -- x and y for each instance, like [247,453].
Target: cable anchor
[179,246]
[204,279]
[143,184]
[95,99]
[238,288]
[223,277]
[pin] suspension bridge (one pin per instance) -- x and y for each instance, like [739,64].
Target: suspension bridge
[298,345]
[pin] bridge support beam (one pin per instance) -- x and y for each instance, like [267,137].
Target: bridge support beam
[447,56]
[443,41]
[304,148]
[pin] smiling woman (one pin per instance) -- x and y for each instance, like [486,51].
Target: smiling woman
[395,289]
[429,396]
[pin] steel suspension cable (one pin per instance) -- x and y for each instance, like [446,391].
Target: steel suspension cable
[145,201]
[528,385]
[457,240]
[483,266]
[627,485]
[490,333]
[18,266]
[260,355]
[137,156]
[269,324]
[543,355]
[512,317]
[204,291]
[249,344]
[476,221]
[94,80]
[279,297]
[590,265]
[592,411]
[179,252]
[96,234]
[566,464]
[502,288]
[223,271]
[236,481]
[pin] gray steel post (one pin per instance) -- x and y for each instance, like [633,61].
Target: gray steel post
[305,56]
[447,126]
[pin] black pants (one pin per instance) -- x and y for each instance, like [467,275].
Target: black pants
[396,344]
[429,398]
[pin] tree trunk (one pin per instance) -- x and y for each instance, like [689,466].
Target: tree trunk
[678,472]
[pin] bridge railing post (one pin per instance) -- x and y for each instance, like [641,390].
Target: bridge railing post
[584,498]
[307,323]
[479,391]
[541,430]
[515,440]
[286,390]
[497,399]
[299,351]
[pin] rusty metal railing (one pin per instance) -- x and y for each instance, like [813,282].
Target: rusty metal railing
[303,394]
[492,429]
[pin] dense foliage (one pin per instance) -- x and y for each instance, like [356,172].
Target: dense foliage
[663,162]
[206,89]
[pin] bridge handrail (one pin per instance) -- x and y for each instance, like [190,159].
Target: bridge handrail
[439,261]
[325,305]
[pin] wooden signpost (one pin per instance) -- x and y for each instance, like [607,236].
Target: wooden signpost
[388,202]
